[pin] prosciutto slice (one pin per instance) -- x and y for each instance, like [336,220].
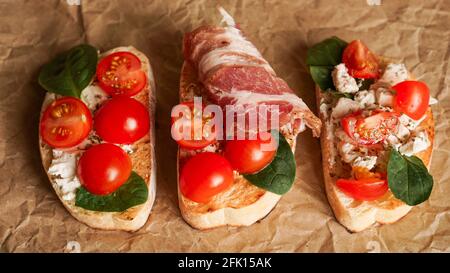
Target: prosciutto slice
[233,71]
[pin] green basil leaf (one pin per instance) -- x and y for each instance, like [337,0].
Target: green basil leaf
[337,94]
[321,75]
[279,175]
[322,58]
[408,178]
[70,72]
[132,193]
[326,53]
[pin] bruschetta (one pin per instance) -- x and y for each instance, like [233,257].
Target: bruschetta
[96,135]
[230,181]
[377,136]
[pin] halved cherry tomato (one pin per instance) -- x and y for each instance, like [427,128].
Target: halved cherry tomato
[250,156]
[103,168]
[365,189]
[360,61]
[120,74]
[66,122]
[187,122]
[348,123]
[122,120]
[411,98]
[372,129]
[205,175]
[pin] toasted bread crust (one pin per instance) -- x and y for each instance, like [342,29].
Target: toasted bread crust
[358,215]
[143,162]
[240,205]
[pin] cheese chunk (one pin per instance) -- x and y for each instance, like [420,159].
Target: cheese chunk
[394,73]
[343,107]
[343,81]
[416,144]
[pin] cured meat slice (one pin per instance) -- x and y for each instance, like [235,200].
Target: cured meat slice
[234,72]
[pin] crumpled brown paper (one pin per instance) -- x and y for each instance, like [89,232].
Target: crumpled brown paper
[32,32]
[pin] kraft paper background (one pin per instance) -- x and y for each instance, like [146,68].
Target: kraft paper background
[32,32]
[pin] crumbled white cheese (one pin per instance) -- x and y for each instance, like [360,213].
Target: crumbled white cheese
[69,187]
[402,132]
[410,123]
[365,98]
[394,73]
[324,109]
[128,148]
[212,147]
[63,169]
[365,161]
[343,81]
[384,97]
[432,101]
[392,141]
[416,144]
[93,96]
[345,106]
[347,152]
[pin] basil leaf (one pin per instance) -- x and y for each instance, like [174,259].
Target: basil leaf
[326,53]
[279,175]
[337,94]
[132,193]
[408,178]
[321,75]
[70,72]
[322,58]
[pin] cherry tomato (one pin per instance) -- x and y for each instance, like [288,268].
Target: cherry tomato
[348,123]
[411,98]
[187,122]
[365,189]
[372,129]
[120,74]
[360,61]
[122,120]
[205,175]
[66,122]
[103,168]
[250,156]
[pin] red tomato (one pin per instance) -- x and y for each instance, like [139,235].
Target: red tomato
[369,130]
[120,74]
[103,168]
[360,61]
[250,156]
[412,98]
[205,175]
[122,120]
[179,123]
[348,123]
[66,122]
[365,189]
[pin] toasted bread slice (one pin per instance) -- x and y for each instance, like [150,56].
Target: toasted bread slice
[359,215]
[143,162]
[242,204]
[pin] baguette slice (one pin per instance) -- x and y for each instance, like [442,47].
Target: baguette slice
[143,162]
[356,215]
[242,204]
